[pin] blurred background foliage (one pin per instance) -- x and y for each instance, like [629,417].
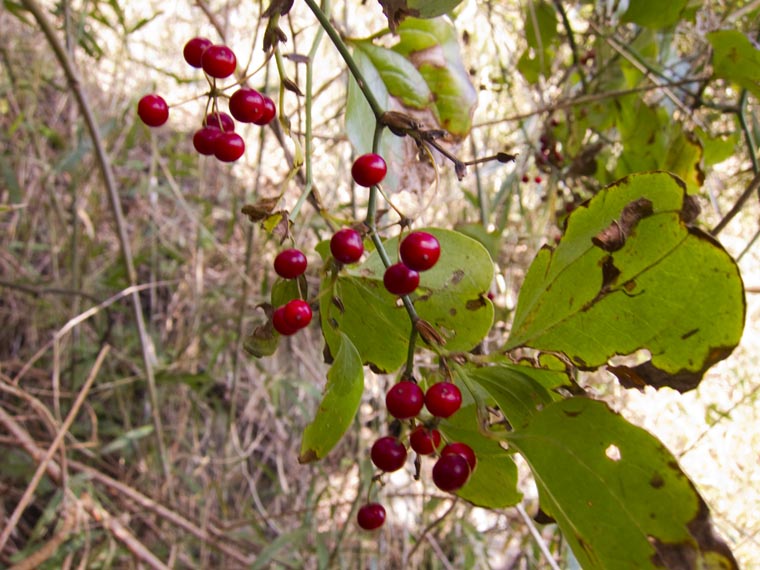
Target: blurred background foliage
[582,92]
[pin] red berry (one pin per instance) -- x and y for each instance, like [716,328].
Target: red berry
[525,178]
[204,140]
[537,179]
[450,472]
[221,121]
[246,105]
[371,516]
[388,454]
[400,280]
[462,449]
[280,324]
[153,110]
[346,245]
[229,147]
[424,441]
[443,399]
[369,169]
[297,314]
[420,251]
[404,400]
[268,111]
[194,49]
[290,263]
[218,61]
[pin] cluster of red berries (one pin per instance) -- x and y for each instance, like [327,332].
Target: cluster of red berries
[296,314]
[217,134]
[456,460]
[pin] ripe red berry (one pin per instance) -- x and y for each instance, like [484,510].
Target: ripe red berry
[346,245]
[388,454]
[229,147]
[424,441]
[268,111]
[297,314]
[525,178]
[371,516]
[290,263]
[450,472]
[204,140]
[537,179]
[193,50]
[218,61]
[404,400]
[459,448]
[420,251]
[280,324]
[369,169]
[246,105]
[443,399]
[221,121]
[153,110]
[400,279]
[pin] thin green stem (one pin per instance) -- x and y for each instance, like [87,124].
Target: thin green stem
[748,138]
[337,41]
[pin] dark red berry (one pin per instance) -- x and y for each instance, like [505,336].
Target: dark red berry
[458,448]
[420,251]
[297,314]
[194,49]
[404,400]
[450,472]
[246,105]
[443,399]
[388,454]
[371,516]
[218,61]
[424,441]
[369,169]
[400,279]
[537,179]
[221,121]
[525,178]
[153,110]
[346,245]
[204,140]
[280,324]
[290,263]
[229,147]
[268,111]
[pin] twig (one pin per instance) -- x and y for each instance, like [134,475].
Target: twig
[537,537]
[47,550]
[148,352]
[42,467]
[754,185]
[430,527]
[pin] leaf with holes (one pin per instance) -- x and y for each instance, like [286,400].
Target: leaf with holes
[631,273]
[616,492]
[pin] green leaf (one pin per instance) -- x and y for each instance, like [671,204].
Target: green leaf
[451,297]
[432,8]
[493,483]
[128,438]
[399,75]
[717,148]
[432,46]
[540,24]
[736,59]
[616,492]
[654,13]
[343,393]
[664,286]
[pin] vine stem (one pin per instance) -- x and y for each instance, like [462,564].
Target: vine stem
[327,26]
[101,156]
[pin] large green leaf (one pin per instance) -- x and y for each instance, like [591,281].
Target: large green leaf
[616,492]
[540,32]
[654,13]
[343,393]
[630,273]
[493,483]
[736,59]
[432,46]
[451,297]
